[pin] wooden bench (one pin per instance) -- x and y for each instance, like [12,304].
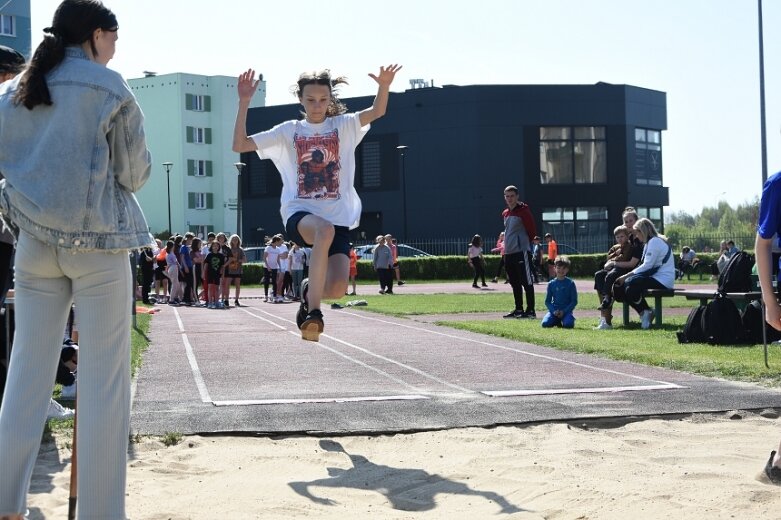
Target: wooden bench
[657,295]
[741,299]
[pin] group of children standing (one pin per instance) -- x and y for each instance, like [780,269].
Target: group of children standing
[184,264]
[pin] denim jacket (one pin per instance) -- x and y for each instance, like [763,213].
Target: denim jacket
[71,168]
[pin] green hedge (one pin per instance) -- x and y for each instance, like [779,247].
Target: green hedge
[456,268]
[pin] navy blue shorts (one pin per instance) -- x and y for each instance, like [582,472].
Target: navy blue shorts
[340,245]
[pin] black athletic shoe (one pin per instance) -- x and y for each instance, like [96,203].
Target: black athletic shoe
[312,326]
[531,315]
[303,308]
[513,314]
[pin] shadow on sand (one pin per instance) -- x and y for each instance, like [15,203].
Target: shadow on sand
[406,489]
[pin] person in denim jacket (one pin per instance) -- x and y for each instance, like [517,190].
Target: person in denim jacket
[72,152]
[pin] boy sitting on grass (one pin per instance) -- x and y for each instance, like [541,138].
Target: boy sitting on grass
[562,297]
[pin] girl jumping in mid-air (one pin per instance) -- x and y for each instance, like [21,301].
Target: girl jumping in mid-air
[316,159]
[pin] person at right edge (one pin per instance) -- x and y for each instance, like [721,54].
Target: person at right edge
[73,152]
[769,230]
[519,231]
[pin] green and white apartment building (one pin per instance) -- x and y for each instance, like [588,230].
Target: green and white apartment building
[15,25]
[189,123]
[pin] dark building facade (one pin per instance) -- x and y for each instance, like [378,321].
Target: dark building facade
[436,165]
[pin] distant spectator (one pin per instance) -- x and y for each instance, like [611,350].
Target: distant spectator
[687,261]
[499,249]
[537,268]
[475,260]
[353,267]
[382,259]
[553,252]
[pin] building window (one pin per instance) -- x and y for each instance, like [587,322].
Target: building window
[199,168]
[371,169]
[573,155]
[201,231]
[579,230]
[200,200]
[198,102]
[652,214]
[7,25]
[199,135]
[648,157]
[263,178]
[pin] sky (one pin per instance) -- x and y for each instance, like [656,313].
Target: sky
[703,53]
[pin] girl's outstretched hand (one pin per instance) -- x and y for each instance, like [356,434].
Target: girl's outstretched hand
[247,85]
[386,74]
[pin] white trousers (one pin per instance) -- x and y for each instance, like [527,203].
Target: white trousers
[48,279]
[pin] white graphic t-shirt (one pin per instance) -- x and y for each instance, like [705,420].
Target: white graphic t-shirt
[317,165]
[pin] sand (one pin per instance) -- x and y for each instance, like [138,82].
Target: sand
[700,466]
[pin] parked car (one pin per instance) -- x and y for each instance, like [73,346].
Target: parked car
[254,254]
[403,251]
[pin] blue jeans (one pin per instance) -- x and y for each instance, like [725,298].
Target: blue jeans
[567,321]
[48,278]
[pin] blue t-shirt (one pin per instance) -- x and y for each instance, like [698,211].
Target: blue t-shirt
[562,295]
[187,259]
[770,208]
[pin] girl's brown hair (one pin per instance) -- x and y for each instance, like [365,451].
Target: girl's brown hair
[322,77]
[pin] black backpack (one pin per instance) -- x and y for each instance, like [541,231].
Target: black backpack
[752,320]
[721,324]
[736,275]
[692,331]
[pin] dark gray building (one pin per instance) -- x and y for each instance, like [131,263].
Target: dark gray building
[436,165]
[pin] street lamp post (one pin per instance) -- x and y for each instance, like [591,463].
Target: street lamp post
[239,167]
[167,165]
[403,151]
[762,123]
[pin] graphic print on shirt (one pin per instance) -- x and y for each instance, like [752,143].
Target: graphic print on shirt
[318,166]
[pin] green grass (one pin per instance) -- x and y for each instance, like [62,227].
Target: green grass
[656,347]
[172,438]
[138,344]
[401,304]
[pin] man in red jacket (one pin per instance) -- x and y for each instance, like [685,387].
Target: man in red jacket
[519,231]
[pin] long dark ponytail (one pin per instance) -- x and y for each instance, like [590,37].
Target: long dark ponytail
[74,23]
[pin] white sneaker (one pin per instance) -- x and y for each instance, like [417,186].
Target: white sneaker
[68,392]
[646,318]
[57,411]
[603,325]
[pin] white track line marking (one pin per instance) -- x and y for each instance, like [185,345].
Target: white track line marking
[199,382]
[596,390]
[321,400]
[386,359]
[264,319]
[511,349]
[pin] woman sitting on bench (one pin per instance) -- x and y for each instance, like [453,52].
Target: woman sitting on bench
[655,271]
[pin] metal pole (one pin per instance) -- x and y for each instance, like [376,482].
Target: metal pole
[239,167]
[763,128]
[404,191]
[167,166]
[403,149]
